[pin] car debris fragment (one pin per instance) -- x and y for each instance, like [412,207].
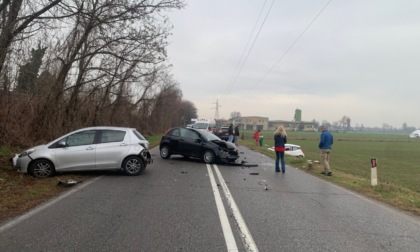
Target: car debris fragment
[68,183]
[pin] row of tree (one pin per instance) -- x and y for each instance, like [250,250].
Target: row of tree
[66,64]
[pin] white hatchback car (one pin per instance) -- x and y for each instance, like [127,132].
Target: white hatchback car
[94,148]
[292,150]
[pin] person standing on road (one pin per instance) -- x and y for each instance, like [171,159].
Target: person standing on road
[236,135]
[325,145]
[257,136]
[230,132]
[280,139]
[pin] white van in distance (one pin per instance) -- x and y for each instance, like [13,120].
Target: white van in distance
[204,124]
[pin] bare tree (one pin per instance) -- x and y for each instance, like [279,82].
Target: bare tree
[344,123]
[164,113]
[105,64]
[188,111]
[235,114]
[113,46]
[15,18]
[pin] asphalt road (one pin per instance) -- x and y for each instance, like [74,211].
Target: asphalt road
[185,205]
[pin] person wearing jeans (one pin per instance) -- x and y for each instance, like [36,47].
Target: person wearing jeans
[230,132]
[236,135]
[280,139]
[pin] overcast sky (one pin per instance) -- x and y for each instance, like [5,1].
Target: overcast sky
[358,58]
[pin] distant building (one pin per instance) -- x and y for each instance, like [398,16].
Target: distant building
[251,122]
[263,123]
[293,125]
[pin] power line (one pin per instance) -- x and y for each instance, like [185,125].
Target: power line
[291,46]
[246,46]
[250,49]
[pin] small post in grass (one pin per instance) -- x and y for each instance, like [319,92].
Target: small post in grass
[373,173]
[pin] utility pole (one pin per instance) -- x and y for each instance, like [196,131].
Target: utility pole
[216,114]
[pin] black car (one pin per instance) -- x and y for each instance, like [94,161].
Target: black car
[222,132]
[197,143]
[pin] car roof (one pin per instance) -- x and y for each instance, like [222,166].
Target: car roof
[106,128]
[194,129]
[92,128]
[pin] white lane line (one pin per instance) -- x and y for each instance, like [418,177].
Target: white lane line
[44,206]
[227,230]
[245,234]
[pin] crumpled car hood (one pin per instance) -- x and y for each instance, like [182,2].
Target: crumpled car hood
[225,144]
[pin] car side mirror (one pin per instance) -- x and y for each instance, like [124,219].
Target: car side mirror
[198,140]
[62,144]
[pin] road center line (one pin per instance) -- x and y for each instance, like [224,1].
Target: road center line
[227,230]
[245,234]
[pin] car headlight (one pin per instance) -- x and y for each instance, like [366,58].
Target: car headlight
[26,153]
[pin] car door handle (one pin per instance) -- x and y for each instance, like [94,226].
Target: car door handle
[123,144]
[90,148]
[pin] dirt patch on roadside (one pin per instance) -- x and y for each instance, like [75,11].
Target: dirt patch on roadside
[20,192]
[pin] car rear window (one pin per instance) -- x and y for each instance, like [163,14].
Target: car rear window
[138,135]
[110,136]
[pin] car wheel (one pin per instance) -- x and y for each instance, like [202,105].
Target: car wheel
[133,166]
[165,152]
[41,169]
[209,157]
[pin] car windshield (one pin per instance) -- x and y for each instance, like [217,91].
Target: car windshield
[210,136]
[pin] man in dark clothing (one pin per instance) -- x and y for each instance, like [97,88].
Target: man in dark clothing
[230,132]
[236,139]
[325,145]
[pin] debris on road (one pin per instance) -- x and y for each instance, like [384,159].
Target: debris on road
[264,183]
[67,183]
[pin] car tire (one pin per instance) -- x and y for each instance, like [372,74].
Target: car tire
[165,152]
[209,157]
[133,166]
[42,168]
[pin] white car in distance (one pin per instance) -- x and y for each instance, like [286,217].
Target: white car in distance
[292,150]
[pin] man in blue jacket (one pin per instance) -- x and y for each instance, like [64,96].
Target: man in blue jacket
[325,146]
